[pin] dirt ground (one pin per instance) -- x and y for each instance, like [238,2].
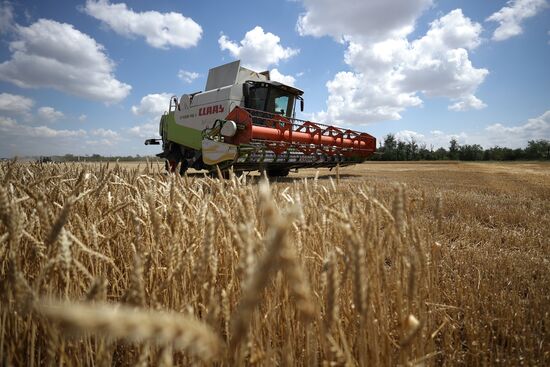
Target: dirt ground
[532,178]
[528,178]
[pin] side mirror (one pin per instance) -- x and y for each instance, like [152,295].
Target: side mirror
[302,105]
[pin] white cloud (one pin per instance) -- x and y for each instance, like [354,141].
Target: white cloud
[372,20]
[11,127]
[14,103]
[82,118]
[435,139]
[258,49]
[510,136]
[518,136]
[510,17]
[160,30]
[147,130]
[469,102]
[26,140]
[56,55]
[6,17]
[392,74]
[44,131]
[152,104]
[356,98]
[188,76]
[409,136]
[438,139]
[7,123]
[281,78]
[105,133]
[50,114]
[101,143]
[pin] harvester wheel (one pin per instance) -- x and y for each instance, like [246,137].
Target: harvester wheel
[215,174]
[277,172]
[183,166]
[170,165]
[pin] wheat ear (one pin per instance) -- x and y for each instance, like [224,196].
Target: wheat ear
[136,325]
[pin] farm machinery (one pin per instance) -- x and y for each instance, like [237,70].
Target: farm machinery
[247,121]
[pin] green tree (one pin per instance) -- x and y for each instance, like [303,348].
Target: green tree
[453,149]
[390,145]
[470,152]
[401,151]
[412,149]
[425,154]
[441,154]
[538,149]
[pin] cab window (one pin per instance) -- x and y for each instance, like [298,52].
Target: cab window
[270,99]
[280,102]
[256,99]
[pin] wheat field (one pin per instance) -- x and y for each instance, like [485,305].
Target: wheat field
[377,264]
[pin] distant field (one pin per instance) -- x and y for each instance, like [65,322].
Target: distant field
[436,264]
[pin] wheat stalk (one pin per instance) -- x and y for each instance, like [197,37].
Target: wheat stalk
[136,325]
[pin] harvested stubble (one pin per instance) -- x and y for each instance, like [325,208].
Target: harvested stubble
[107,266]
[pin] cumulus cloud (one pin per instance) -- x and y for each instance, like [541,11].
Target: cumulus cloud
[6,17]
[258,49]
[393,74]
[147,130]
[409,136]
[439,139]
[26,140]
[511,17]
[469,102]
[14,103]
[372,20]
[160,30]
[518,135]
[105,133]
[282,78]
[50,114]
[356,98]
[7,123]
[47,132]
[188,76]
[56,55]
[434,139]
[11,127]
[152,104]
[82,118]
[101,143]
[498,134]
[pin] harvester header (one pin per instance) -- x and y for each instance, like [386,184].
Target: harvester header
[246,121]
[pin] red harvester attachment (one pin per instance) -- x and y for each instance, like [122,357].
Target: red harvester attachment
[317,144]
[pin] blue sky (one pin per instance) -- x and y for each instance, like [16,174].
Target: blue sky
[93,76]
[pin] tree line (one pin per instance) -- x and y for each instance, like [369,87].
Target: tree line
[394,149]
[391,149]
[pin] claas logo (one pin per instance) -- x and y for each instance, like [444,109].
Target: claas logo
[203,111]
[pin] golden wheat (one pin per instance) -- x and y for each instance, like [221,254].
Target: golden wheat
[393,265]
[166,329]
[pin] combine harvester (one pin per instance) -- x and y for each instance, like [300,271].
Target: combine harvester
[246,121]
